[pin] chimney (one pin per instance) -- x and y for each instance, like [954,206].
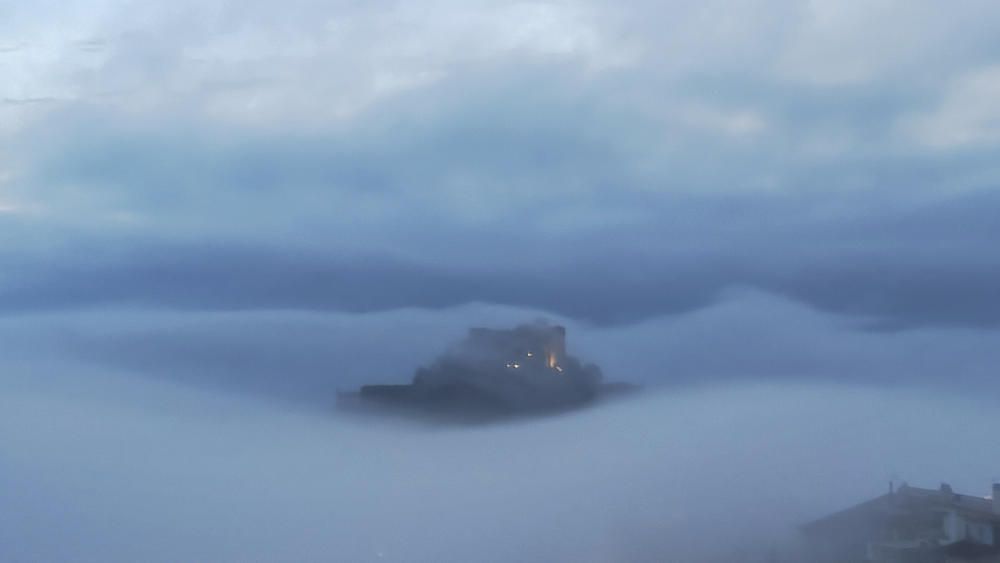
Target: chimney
[946,491]
[996,498]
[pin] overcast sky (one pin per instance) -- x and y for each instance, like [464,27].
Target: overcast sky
[607,164]
[745,202]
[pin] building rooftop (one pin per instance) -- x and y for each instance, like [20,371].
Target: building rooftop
[911,524]
[907,498]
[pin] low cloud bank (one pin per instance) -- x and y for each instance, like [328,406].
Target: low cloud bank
[114,468]
[156,436]
[305,358]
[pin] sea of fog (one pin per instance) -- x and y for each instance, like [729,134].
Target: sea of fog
[151,437]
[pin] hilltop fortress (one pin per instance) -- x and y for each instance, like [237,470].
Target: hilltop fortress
[499,371]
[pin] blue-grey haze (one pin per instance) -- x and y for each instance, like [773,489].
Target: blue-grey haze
[781,217]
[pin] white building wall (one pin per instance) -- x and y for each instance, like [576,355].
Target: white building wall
[954,527]
[958,528]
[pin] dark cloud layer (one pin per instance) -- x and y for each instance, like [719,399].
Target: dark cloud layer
[532,185]
[228,278]
[848,262]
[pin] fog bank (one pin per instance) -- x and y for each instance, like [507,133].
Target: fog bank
[171,436]
[114,468]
